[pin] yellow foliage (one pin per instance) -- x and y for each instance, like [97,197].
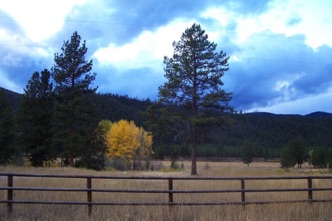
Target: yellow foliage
[145,140]
[124,139]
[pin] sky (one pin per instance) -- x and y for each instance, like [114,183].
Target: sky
[280,50]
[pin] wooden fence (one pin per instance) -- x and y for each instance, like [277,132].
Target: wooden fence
[90,201]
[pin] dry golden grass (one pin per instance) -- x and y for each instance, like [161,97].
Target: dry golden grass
[296,211]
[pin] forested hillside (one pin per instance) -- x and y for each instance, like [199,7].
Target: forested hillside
[115,107]
[267,133]
[110,106]
[13,98]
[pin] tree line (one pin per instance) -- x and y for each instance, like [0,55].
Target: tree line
[264,135]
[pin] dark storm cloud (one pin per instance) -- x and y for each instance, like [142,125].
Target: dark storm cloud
[318,69]
[277,68]
[19,68]
[120,21]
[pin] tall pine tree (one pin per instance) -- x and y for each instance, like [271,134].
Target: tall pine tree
[74,114]
[193,92]
[36,119]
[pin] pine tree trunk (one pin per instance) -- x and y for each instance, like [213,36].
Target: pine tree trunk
[193,160]
[193,152]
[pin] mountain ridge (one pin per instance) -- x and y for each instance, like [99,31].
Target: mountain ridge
[14,99]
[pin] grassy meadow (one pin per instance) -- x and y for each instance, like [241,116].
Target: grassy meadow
[271,212]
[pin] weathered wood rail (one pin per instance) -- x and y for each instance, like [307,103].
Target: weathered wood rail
[90,201]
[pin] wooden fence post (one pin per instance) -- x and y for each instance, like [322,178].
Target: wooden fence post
[310,190]
[89,192]
[170,194]
[170,188]
[243,194]
[10,194]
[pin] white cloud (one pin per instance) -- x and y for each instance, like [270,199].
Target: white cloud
[17,45]
[314,20]
[222,15]
[11,59]
[246,26]
[39,19]
[9,39]
[145,51]
[310,18]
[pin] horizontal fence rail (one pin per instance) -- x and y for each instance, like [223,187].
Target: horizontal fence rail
[170,191]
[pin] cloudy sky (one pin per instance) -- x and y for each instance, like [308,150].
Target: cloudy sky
[280,50]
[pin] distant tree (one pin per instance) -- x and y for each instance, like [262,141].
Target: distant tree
[319,157]
[7,150]
[36,119]
[144,149]
[192,94]
[287,158]
[298,149]
[75,116]
[294,153]
[247,152]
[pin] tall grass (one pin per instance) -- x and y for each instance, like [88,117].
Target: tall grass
[296,211]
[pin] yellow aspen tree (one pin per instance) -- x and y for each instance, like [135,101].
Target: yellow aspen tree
[145,147]
[122,140]
[145,140]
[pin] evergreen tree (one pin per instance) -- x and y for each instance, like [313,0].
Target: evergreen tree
[294,153]
[36,119]
[74,113]
[247,152]
[319,157]
[95,155]
[298,150]
[287,158]
[7,150]
[192,94]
